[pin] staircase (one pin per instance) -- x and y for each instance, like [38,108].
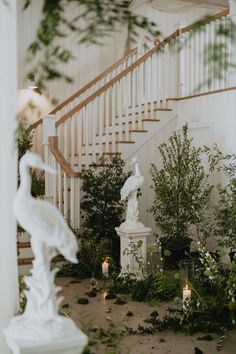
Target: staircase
[124,107]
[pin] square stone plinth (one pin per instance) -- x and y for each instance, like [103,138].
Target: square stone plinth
[70,345]
[128,236]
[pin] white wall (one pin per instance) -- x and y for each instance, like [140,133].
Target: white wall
[89,60]
[211,119]
[168,22]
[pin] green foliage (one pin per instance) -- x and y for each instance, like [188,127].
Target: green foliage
[225,210]
[226,214]
[101,207]
[24,139]
[93,21]
[181,191]
[22,296]
[90,258]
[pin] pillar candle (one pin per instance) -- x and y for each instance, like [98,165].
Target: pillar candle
[186,295]
[105,268]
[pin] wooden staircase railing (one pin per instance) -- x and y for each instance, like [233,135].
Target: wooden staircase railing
[82,93]
[104,119]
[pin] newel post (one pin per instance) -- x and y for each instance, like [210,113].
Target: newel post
[49,129]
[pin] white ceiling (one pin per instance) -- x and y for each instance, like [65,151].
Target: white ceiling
[180,5]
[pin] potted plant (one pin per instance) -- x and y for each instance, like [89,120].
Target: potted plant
[181,194]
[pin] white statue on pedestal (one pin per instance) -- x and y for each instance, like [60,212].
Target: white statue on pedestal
[41,323]
[130,190]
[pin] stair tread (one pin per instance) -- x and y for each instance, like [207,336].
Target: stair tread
[148,111]
[23,245]
[25,261]
[123,132]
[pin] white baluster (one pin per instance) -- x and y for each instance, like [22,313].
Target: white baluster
[73,140]
[94,124]
[126,106]
[140,94]
[86,143]
[195,69]
[55,183]
[182,66]
[119,109]
[60,187]
[80,132]
[65,197]
[202,38]
[191,67]
[113,117]
[134,98]
[101,121]
[213,26]
[146,87]
[107,115]
[75,202]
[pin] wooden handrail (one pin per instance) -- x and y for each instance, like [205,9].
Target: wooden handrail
[36,124]
[86,87]
[134,66]
[53,142]
[94,81]
[208,19]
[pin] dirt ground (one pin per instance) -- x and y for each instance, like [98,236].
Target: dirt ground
[101,313]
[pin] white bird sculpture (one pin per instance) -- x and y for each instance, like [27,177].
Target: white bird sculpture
[41,321]
[39,218]
[130,190]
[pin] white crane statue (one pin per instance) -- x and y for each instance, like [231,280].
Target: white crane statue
[130,190]
[49,232]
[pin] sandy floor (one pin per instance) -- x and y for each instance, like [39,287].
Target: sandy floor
[100,313]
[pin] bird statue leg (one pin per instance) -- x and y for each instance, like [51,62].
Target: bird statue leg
[41,300]
[132,208]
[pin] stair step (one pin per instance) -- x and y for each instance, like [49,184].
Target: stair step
[143,120]
[123,132]
[110,142]
[23,245]
[23,261]
[104,153]
[112,153]
[138,131]
[148,111]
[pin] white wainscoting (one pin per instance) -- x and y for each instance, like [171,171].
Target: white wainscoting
[216,123]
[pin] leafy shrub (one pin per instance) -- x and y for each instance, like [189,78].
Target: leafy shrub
[101,207]
[181,190]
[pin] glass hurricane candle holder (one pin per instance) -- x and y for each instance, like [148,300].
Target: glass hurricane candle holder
[93,283]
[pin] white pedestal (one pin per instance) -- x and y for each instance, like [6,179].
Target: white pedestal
[126,237]
[70,344]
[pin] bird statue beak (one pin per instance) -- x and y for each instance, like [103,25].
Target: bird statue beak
[47,168]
